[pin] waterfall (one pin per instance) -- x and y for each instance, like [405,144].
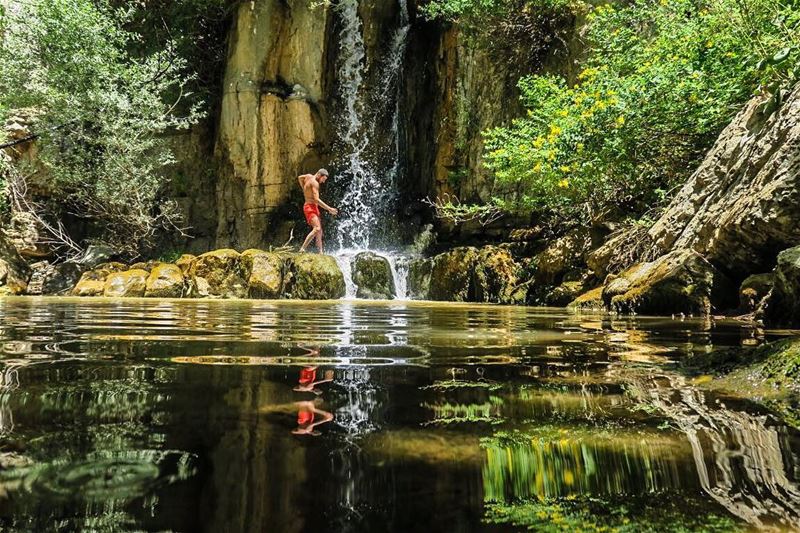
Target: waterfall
[370,163]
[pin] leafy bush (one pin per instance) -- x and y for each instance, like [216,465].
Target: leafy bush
[100,109]
[661,80]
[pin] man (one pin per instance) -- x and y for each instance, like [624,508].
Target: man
[310,185]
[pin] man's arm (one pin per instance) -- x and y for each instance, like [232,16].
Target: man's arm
[302,180]
[332,210]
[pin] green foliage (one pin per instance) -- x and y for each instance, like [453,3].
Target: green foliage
[661,80]
[100,108]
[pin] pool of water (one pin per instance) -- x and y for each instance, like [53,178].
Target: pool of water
[358,416]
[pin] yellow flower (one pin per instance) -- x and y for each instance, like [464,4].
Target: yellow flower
[539,142]
[579,147]
[620,121]
[563,184]
[564,168]
[563,113]
[555,130]
[537,168]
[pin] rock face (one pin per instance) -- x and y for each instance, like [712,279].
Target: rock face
[265,273]
[165,281]
[14,271]
[681,281]
[372,274]
[742,205]
[783,303]
[313,277]
[127,284]
[217,274]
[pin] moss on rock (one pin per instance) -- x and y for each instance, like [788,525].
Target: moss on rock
[451,274]
[313,277]
[93,282]
[264,273]
[218,274]
[165,281]
[496,277]
[419,279]
[590,300]
[372,274]
[127,284]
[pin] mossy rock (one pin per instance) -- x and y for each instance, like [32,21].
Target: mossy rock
[14,270]
[565,293]
[561,256]
[783,305]
[145,265]
[264,273]
[313,277]
[127,284]
[218,274]
[419,279]
[590,300]
[165,281]
[495,277]
[185,261]
[93,282]
[451,275]
[679,282]
[372,274]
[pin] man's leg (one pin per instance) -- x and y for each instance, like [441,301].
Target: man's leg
[315,229]
[319,238]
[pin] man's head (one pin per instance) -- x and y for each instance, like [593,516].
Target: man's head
[321,175]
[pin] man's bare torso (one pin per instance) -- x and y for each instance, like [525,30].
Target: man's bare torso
[310,186]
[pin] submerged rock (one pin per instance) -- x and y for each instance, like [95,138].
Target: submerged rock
[372,274]
[783,303]
[218,274]
[264,273]
[419,279]
[313,277]
[165,281]
[678,282]
[127,284]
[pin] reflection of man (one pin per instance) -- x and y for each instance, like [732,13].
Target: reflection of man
[308,380]
[306,413]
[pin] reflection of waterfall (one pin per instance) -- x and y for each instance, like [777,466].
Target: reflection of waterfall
[370,162]
[748,473]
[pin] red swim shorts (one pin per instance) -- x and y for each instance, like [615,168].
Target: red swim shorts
[311,211]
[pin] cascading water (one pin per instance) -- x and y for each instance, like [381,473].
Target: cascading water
[369,141]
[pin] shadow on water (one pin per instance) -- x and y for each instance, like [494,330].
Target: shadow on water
[289,416]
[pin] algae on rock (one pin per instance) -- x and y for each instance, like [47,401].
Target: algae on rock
[372,274]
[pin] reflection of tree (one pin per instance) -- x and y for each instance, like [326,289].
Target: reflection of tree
[740,460]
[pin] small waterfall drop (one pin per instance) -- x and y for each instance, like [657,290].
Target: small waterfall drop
[369,131]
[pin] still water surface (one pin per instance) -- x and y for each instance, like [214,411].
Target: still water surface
[341,416]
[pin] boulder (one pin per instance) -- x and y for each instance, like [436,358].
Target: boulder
[564,294]
[679,282]
[783,303]
[23,232]
[264,273]
[218,274]
[185,261]
[14,271]
[165,281]
[753,290]
[127,284]
[562,255]
[313,277]
[419,279]
[54,279]
[496,277]
[588,301]
[146,265]
[95,255]
[93,282]
[372,275]
[451,275]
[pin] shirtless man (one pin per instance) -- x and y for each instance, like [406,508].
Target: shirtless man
[310,185]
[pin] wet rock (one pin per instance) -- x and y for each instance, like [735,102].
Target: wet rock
[372,274]
[59,279]
[218,274]
[419,279]
[14,271]
[783,304]
[451,274]
[564,294]
[679,282]
[496,277]
[562,255]
[313,277]
[590,300]
[93,282]
[753,290]
[127,284]
[95,255]
[165,281]
[185,261]
[265,273]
